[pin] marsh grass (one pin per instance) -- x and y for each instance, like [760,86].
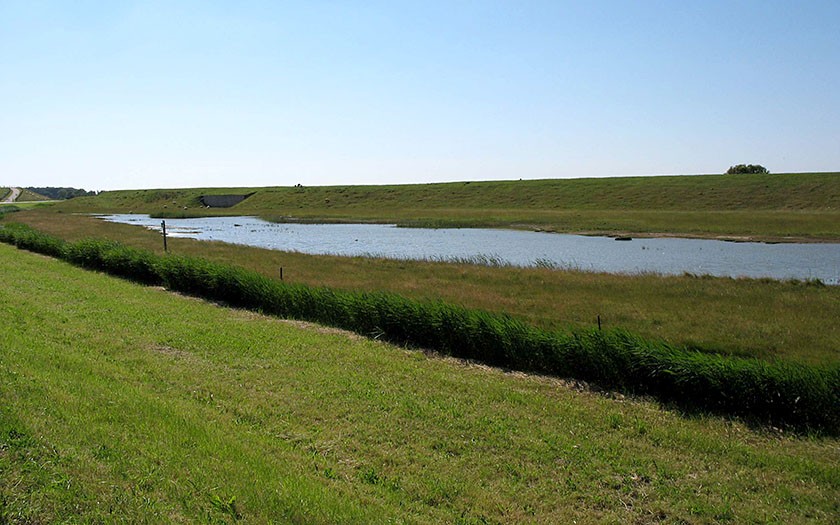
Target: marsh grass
[783,394]
[486,260]
[745,317]
[129,404]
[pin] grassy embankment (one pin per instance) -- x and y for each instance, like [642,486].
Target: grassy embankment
[25,201]
[6,207]
[27,196]
[759,318]
[769,207]
[123,402]
[784,394]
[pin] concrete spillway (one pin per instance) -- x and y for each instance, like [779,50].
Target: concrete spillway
[222,201]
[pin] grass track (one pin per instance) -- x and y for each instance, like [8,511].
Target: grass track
[137,404]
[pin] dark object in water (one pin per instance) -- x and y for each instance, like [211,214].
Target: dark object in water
[624,238]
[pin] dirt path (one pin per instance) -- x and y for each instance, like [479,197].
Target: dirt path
[12,196]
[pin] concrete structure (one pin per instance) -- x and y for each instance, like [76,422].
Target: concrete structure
[222,201]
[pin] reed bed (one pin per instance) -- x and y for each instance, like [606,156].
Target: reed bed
[795,396]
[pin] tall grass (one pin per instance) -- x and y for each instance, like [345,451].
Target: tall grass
[784,394]
[27,238]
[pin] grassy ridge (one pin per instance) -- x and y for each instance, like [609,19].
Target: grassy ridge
[27,195]
[128,404]
[762,206]
[782,394]
[817,191]
[757,318]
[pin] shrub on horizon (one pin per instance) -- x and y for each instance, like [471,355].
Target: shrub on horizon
[747,168]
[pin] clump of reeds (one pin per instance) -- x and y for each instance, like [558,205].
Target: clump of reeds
[30,239]
[116,259]
[796,396]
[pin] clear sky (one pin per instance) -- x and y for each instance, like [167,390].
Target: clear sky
[120,94]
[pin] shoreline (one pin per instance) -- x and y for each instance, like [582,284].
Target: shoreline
[762,239]
[623,234]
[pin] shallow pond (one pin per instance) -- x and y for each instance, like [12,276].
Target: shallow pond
[519,248]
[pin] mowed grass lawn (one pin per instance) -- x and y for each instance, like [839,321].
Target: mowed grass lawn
[128,403]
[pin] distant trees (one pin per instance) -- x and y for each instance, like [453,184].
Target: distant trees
[746,168]
[61,193]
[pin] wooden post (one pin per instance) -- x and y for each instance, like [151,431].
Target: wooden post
[281,273]
[599,322]
[163,228]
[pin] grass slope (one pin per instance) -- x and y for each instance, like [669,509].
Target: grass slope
[779,206]
[783,394]
[760,318]
[129,403]
[27,195]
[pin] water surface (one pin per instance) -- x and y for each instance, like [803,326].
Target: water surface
[519,248]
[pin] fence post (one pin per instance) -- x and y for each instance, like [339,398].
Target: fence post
[163,228]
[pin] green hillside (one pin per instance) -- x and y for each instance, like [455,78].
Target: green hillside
[762,206]
[27,195]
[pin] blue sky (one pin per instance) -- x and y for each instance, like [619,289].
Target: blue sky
[109,94]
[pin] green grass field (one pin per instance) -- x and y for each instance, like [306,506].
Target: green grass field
[760,318]
[771,207]
[128,403]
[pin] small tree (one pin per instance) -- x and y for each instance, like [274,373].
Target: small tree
[747,168]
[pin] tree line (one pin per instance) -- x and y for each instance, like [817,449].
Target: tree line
[62,193]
